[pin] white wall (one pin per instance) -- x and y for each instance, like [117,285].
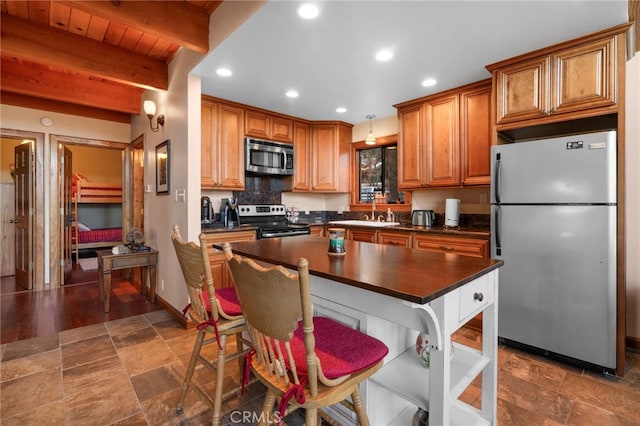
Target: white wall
[632,146]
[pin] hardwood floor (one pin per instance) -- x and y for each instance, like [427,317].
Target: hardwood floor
[27,314]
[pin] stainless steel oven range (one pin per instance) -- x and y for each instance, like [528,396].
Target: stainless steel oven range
[271,220]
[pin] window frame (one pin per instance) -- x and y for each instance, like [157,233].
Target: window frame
[355,204]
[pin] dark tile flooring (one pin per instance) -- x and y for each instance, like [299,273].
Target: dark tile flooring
[128,371]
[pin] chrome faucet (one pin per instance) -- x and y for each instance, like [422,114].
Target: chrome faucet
[373,209]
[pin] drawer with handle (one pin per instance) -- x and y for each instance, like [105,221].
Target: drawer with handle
[473,298]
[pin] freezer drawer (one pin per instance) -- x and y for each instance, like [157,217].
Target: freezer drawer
[558,282]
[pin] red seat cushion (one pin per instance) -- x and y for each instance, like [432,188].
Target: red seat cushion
[340,349]
[227,300]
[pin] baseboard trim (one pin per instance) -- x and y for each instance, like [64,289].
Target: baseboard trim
[633,343]
[186,323]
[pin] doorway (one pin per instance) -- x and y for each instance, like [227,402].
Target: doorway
[22,262]
[59,245]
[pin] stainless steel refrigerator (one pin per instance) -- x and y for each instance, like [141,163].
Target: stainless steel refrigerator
[553,222]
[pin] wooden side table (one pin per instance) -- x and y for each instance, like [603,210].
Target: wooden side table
[108,261]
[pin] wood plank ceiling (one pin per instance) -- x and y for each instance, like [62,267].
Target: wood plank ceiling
[94,58]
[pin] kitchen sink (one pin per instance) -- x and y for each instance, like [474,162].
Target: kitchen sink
[363,223]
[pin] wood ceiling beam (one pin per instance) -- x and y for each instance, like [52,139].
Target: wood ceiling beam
[24,101]
[72,88]
[46,45]
[174,21]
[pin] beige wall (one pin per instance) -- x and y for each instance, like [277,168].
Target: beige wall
[632,155]
[97,164]
[6,157]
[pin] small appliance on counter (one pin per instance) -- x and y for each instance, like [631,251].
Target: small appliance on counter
[423,218]
[206,211]
[452,212]
[229,212]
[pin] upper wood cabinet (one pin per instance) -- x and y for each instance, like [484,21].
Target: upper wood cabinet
[445,139]
[442,141]
[302,157]
[330,143]
[266,126]
[571,80]
[475,135]
[222,153]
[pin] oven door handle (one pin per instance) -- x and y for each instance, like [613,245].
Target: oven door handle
[285,234]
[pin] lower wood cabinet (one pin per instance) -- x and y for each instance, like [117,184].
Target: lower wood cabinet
[366,235]
[401,239]
[445,244]
[219,271]
[317,230]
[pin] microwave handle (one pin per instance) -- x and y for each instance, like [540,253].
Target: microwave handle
[284,160]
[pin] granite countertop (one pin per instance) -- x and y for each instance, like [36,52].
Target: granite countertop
[216,228]
[414,275]
[479,233]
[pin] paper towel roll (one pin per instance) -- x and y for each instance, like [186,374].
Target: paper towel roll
[452,212]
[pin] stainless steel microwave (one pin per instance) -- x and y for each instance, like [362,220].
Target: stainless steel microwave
[267,157]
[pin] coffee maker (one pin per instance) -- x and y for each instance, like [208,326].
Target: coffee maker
[206,211]
[229,212]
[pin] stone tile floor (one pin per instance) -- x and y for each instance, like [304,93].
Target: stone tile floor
[129,371]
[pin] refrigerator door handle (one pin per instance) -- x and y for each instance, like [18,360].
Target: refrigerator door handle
[496,178]
[496,228]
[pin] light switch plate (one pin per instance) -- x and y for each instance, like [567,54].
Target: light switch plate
[147,189]
[181,195]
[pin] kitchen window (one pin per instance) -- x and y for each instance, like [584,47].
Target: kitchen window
[375,176]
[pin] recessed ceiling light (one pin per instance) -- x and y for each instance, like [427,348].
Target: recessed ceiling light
[384,55]
[341,110]
[224,72]
[292,94]
[308,11]
[429,82]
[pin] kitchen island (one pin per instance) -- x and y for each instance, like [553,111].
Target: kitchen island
[394,293]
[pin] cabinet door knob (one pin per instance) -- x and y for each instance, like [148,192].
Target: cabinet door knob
[478,297]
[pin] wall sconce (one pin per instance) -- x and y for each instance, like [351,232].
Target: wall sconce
[150,110]
[370,140]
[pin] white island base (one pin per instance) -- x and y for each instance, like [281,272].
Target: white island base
[393,395]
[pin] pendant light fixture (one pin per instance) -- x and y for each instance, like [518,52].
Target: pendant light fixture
[370,140]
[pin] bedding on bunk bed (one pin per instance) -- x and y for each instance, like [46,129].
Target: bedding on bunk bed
[89,236]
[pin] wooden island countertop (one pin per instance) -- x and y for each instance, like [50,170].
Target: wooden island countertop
[413,275]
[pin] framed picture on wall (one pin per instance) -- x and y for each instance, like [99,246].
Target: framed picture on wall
[163,158]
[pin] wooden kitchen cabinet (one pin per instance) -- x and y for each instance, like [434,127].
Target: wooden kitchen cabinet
[457,245]
[401,239]
[567,81]
[358,234]
[301,157]
[317,230]
[411,157]
[262,125]
[219,270]
[445,139]
[330,144]
[475,135]
[222,153]
[442,141]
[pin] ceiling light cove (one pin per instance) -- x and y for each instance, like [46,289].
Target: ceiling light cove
[308,11]
[429,82]
[292,94]
[224,72]
[384,55]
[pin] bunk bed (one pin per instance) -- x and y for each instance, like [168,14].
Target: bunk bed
[86,193]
